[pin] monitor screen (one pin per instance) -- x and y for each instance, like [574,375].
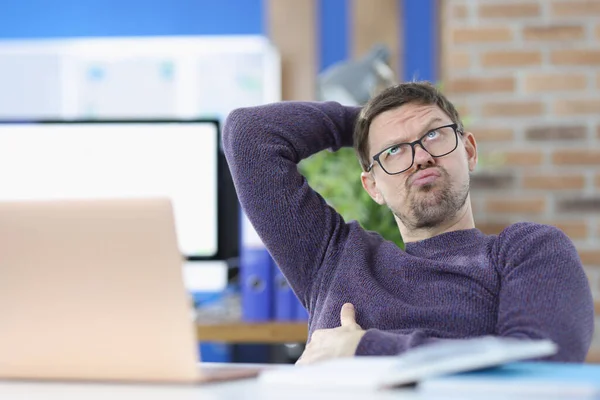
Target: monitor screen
[122,159]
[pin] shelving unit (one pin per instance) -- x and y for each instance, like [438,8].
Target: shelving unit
[278,333]
[240,332]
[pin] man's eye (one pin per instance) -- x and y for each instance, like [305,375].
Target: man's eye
[432,134]
[393,150]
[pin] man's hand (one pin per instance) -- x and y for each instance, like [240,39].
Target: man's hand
[336,342]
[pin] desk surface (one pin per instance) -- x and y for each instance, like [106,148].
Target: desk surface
[235,390]
[231,391]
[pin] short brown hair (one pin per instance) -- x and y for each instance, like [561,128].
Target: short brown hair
[393,97]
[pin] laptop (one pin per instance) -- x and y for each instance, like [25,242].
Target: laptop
[92,290]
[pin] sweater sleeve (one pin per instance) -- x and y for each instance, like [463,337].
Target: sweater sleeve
[544,291]
[376,342]
[263,146]
[544,294]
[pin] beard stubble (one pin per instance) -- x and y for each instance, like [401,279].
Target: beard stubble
[433,204]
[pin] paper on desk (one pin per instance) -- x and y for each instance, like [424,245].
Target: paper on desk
[347,372]
[445,357]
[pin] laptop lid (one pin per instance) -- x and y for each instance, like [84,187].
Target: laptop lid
[93,290]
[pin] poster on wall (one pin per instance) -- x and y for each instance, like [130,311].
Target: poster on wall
[233,80]
[141,87]
[146,77]
[32,84]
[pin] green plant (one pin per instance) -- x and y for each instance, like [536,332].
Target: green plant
[336,177]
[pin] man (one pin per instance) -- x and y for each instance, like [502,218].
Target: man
[450,282]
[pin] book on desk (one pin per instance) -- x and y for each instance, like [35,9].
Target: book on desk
[540,379]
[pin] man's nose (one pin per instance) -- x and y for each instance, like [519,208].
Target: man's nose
[422,157]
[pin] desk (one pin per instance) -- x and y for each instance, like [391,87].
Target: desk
[248,389]
[236,390]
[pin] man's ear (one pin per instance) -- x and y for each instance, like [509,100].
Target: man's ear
[369,184]
[471,149]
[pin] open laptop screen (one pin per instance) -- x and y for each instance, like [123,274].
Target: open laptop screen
[120,159]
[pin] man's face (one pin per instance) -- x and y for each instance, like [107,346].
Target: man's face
[434,189]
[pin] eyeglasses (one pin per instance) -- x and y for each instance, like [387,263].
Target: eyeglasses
[400,157]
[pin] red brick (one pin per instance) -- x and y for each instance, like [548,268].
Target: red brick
[460,11]
[481,85]
[523,157]
[554,181]
[573,229]
[491,228]
[534,205]
[457,60]
[501,10]
[576,57]
[555,82]
[463,110]
[493,180]
[492,134]
[590,257]
[511,58]
[584,8]
[577,107]
[482,35]
[556,132]
[593,276]
[554,32]
[580,204]
[513,109]
[515,158]
[576,157]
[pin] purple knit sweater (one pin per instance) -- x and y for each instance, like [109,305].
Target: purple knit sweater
[526,282]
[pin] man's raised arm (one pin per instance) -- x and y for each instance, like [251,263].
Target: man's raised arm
[263,146]
[544,293]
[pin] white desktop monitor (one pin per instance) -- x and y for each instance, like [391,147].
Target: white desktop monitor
[120,159]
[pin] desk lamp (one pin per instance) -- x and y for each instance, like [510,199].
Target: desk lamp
[354,82]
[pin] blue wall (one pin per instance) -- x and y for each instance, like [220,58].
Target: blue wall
[333,20]
[71,18]
[420,33]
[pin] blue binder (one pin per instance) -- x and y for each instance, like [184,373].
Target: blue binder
[285,299]
[300,313]
[256,283]
[256,278]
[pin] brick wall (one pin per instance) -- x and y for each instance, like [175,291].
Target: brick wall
[526,77]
